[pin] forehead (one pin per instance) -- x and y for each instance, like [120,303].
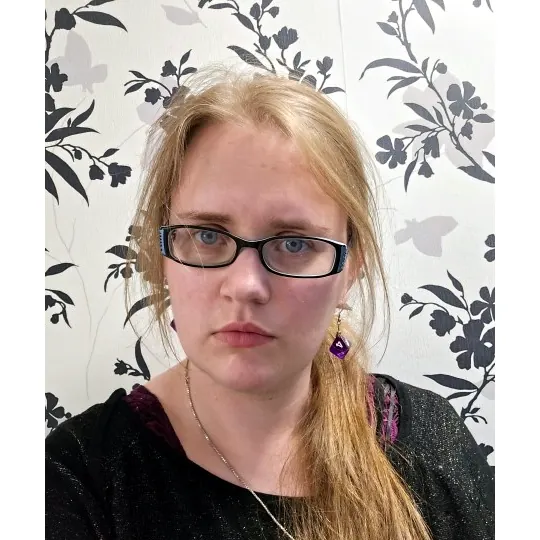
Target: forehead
[251,174]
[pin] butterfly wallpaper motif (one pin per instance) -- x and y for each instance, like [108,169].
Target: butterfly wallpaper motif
[422,101]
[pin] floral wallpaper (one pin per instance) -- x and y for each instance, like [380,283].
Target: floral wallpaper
[414,76]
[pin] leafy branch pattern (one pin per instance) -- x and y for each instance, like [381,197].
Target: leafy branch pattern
[128,256]
[55,297]
[453,119]
[63,139]
[159,90]
[282,40]
[474,344]
[164,90]
[132,260]
[123,368]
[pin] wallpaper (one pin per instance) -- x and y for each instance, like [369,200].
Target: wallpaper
[415,77]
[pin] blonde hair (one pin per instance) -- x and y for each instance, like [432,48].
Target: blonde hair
[354,491]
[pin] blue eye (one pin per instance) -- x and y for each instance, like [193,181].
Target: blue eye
[294,245]
[208,237]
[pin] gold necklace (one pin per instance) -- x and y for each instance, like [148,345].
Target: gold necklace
[222,457]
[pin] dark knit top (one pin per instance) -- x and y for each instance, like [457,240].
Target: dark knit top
[118,471]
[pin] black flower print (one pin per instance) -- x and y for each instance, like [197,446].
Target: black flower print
[394,152]
[462,103]
[474,347]
[152,95]
[425,170]
[485,307]
[64,20]
[442,322]
[447,116]
[467,130]
[54,79]
[119,174]
[490,253]
[95,173]
[53,413]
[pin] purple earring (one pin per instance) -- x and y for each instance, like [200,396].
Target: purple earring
[340,346]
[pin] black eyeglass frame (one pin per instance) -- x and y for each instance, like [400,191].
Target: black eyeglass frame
[341,249]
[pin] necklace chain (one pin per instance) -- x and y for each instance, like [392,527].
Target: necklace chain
[226,463]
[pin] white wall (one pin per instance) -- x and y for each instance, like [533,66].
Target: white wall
[450,214]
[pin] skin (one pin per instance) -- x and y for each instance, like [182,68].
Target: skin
[248,399]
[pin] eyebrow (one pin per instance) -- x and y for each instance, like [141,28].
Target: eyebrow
[274,222]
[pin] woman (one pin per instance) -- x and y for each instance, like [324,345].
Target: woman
[271,427]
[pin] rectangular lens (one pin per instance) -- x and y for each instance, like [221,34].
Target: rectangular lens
[201,247]
[299,256]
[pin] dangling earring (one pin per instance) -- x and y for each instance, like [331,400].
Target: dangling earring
[340,346]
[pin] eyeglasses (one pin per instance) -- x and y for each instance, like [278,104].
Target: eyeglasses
[290,256]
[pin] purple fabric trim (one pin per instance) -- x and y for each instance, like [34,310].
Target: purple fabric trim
[154,417]
[390,415]
[152,414]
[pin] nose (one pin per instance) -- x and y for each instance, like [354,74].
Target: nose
[246,280]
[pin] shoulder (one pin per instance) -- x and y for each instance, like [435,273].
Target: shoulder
[75,439]
[428,424]
[426,418]
[438,457]
[79,459]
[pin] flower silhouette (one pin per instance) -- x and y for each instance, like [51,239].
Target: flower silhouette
[168,69]
[473,347]
[490,253]
[119,173]
[425,170]
[64,124]
[325,66]
[120,367]
[134,232]
[406,298]
[485,307]
[442,322]
[466,130]
[54,79]
[394,152]
[152,95]
[441,108]
[95,173]
[64,20]
[285,37]
[431,146]
[53,413]
[441,68]
[463,103]
[49,302]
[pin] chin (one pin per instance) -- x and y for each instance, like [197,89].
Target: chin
[246,370]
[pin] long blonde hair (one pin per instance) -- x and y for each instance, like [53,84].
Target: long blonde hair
[355,493]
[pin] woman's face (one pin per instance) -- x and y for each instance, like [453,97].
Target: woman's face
[252,178]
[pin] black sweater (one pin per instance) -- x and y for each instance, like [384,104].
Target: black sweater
[109,476]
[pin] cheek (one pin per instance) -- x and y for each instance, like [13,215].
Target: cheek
[312,305]
[191,292]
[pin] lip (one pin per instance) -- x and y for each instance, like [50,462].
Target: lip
[249,328]
[243,335]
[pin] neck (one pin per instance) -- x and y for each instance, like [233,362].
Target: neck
[253,432]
